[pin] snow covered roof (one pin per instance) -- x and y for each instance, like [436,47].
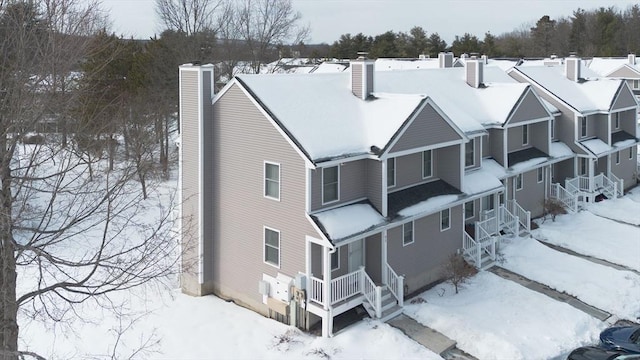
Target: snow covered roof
[388,64]
[559,150]
[480,180]
[584,96]
[596,146]
[349,220]
[325,118]
[471,109]
[606,66]
[329,67]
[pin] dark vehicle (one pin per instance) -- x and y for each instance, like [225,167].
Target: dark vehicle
[596,353]
[622,338]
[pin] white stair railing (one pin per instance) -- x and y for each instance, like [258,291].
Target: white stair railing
[486,228]
[472,249]
[346,286]
[317,290]
[394,283]
[524,216]
[509,221]
[569,199]
[372,293]
[619,184]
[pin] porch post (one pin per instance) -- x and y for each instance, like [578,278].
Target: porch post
[326,272]
[307,265]
[592,171]
[384,257]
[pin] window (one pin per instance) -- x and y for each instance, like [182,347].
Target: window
[630,153]
[272,247]
[553,128]
[540,174]
[617,157]
[501,198]
[335,259]
[407,233]
[582,166]
[519,182]
[487,203]
[391,172]
[427,168]
[330,177]
[469,210]
[469,158]
[636,84]
[552,173]
[583,126]
[445,219]
[616,118]
[272,180]
[525,134]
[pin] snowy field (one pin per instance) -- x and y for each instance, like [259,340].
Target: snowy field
[624,209]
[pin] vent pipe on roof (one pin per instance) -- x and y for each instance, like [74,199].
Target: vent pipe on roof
[474,71]
[632,59]
[362,73]
[445,59]
[573,67]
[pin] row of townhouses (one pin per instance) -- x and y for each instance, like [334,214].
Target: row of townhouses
[307,195]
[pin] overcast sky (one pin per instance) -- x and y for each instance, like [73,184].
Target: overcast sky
[329,19]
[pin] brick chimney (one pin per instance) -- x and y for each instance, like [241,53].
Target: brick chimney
[362,73]
[573,68]
[445,59]
[474,72]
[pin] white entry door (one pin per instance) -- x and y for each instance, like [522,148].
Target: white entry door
[356,255]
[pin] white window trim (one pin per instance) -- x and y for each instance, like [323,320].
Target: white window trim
[338,185]
[473,207]
[617,157]
[521,177]
[473,152]
[616,120]
[264,180]
[395,163]
[449,220]
[553,128]
[540,175]
[264,246]
[525,131]
[631,153]
[337,252]
[413,232]
[584,130]
[430,164]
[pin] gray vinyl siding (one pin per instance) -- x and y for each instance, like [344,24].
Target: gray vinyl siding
[530,108]
[421,261]
[486,146]
[243,140]
[356,79]
[496,144]
[208,169]
[344,264]
[428,128]
[624,100]
[409,170]
[370,82]
[601,164]
[514,139]
[624,72]
[352,184]
[374,183]
[563,170]
[539,136]
[190,182]
[599,126]
[373,257]
[447,166]
[476,211]
[628,122]
[627,167]
[532,194]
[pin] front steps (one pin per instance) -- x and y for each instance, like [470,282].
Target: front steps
[390,307]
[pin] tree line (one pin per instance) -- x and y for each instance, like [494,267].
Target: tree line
[599,32]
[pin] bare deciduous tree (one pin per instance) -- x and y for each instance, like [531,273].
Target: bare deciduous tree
[187,16]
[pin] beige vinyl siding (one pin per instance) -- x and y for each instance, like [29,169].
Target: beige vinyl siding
[191,181]
[421,261]
[428,128]
[529,109]
[352,184]
[446,164]
[496,144]
[627,167]
[624,99]
[356,79]
[244,139]
[625,73]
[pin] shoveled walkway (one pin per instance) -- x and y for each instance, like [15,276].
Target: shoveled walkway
[428,338]
[556,295]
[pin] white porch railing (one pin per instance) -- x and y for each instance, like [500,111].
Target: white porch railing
[472,249]
[619,184]
[346,286]
[394,283]
[508,221]
[577,184]
[372,293]
[486,228]
[316,292]
[524,216]
[569,199]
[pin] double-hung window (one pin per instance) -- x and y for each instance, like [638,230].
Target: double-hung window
[553,128]
[583,126]
[617,157]
[272,180]
[540,175]
[272,246]
[488,203]
[519,182]
[582,166]
[525,134]
[445,219]
[469,210]
[469,156]
[330,184]
[427,164]
[407,233]
[616,120]
[391,172]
